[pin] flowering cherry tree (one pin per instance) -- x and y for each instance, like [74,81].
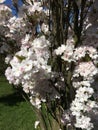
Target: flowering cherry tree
[53,62]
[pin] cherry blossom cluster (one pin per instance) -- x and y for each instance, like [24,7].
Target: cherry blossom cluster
[66,51]
[29,63]
[85,59]
[29,66]
[69,53]
[81,106]
[17,28]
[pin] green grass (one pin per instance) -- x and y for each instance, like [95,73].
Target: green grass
[15,112]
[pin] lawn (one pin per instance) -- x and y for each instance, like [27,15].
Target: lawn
[15,112]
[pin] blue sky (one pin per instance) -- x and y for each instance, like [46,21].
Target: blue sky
[9,3]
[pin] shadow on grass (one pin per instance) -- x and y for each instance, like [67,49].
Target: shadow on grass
[12,99]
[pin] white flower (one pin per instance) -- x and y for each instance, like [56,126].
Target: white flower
[26,39]
[35,7]
[67,56]
[81,51]
[92,104]
[28,86]
[60,50]
[66,51]
[81,106]
[85,69]
[28,64]
[36,102]
[83,122]
[36,124]
[81,83]
[45,28]
[40,42]
[10,76]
